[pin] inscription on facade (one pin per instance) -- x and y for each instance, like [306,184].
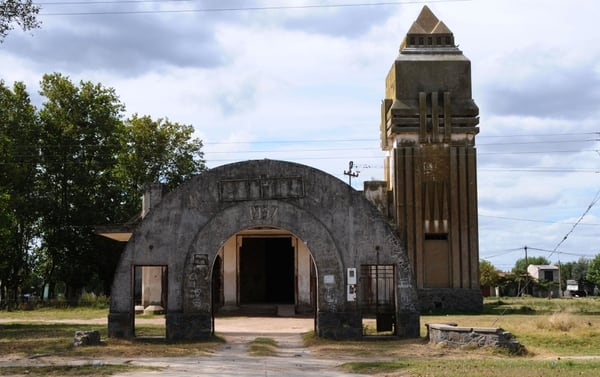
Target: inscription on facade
[263,212]
[197,281]
[234,190]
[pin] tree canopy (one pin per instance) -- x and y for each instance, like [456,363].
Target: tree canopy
[488,274]
[593,273]
[22,13]
[70,165]
[576,270]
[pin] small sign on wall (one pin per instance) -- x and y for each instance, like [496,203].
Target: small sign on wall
[329,279]
[352,276]
[351,294]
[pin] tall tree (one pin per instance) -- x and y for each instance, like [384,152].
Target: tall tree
[488,274]
[593,273]
[156,151]
[80,143]
[576,270]
[74,164]
[19,137]
[17,12]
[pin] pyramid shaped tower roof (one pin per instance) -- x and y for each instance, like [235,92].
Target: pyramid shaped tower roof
[428,33]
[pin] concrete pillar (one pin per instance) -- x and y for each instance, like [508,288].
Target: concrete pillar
[303,266]
[230,273]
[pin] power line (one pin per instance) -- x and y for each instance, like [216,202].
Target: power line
[240,9]
[541,142]
[543,135]
[562,252]
[532,220]
[39,3]
[594,201]
[504,252]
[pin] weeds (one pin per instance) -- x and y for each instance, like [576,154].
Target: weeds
[263,347]
[562,321]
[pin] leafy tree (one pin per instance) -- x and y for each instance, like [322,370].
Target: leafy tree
[79,147]
[488,274]
[20,12]
[156,151]
[593,273]
[69,166]
[574,270]
[521,264]
[19,136]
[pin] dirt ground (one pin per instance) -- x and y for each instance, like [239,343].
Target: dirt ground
[232,359]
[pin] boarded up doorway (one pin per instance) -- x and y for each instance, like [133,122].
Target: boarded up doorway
[267,270]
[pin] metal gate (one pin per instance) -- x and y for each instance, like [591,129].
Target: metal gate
[377,292]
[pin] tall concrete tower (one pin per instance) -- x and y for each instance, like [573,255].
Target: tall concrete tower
[428,127]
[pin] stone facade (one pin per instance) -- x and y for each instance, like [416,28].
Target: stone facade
[428,127]
[451,335]
[185,232]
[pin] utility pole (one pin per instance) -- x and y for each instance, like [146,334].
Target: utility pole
[559,279]
[525,288]
[350,173]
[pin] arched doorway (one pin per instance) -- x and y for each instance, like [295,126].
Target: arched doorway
[189,227]
[264,271]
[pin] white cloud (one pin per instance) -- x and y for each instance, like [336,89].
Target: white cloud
[251,78]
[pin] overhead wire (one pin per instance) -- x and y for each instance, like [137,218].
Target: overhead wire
[589,207]
[228,9]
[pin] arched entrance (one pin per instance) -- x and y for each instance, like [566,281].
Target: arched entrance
[189,227]
[264,271]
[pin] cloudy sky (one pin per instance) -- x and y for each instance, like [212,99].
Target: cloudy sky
[302,80]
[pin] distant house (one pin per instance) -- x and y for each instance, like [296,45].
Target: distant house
[580,288]
[572,285]
[545,274]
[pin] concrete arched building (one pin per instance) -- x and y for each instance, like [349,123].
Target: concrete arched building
[286,238]
[306,221]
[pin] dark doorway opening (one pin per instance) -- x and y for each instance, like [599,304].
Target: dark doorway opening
[267,270]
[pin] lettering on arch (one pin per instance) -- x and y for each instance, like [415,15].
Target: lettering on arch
[235,190]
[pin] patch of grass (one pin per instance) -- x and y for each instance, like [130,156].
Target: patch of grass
[534,305]
[360,348]
[263,347]
[546,334]
[374,367]
[28,339]
[559,321]
[149,330]
[71,370]
[468,367]
[502,368]
[370,328]
[78,313]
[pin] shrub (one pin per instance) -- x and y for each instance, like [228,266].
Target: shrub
[560,321]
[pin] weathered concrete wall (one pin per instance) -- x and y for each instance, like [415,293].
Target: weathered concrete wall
[460,336]
[190,225]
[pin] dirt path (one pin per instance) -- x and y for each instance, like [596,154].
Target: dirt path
[232,359]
